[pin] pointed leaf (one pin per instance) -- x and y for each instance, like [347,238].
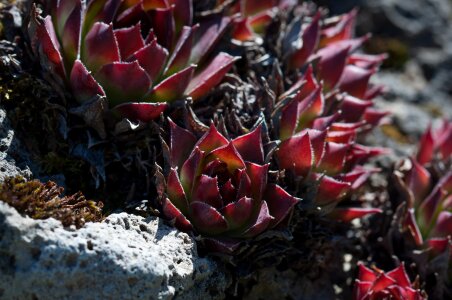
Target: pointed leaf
[229,155]
[173,213]
[382,282]
[129,40]
[83,84]
[366,274]
[250,146]
[163,24]
[207,219]
[353,108]
[239,213]
[141,111]
[190,170]
[280,203]
[258,176]
[310,108]
[355,80]
[100,47]
[330,190]
[70,35]
[443,225]
[173,87]
[351,213]
[400,276]
[261,223]
[211,140]
[289,120]
[411,224]
[181,52]
[310,40]
[182,142]
[49,47]
[183,13]
[343,30]
[296,154]
[426,147]
[99,11]
[374,116]
[210,76]
[207,191]
[152,59]
[333,158]
[208,34]
[244,182]
[418,181]
[332,64]
[123,82]
[176,192]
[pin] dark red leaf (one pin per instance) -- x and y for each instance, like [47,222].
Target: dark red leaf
[296,154]
[351,213]
[211,140]
[83,84]
[207,219]
[210,76]
[123,82]
[182,143]
[207,191]
[176,192]
[173,87]
[141,111]
[100,47]
[280,203]
[171,212]
[261,223]
[129,40]
[250,146]
[239,213]
[152,59]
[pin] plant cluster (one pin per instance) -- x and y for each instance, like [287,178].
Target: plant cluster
[246,121]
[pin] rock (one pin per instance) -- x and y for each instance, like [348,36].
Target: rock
[11,155]
[125,257]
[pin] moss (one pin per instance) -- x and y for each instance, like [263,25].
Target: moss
[43,201]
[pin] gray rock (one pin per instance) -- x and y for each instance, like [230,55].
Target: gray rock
[9,151]
[125,257]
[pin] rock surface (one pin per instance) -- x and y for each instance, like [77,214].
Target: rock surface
[125,257]
[10,151]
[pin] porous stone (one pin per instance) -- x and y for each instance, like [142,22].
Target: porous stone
[10,150]
[125,257]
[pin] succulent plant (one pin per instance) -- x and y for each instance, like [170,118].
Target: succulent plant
[378,285]
[139,54]
[321,116]
[426,183]
[219,188]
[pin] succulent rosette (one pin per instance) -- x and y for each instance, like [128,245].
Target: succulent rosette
[379,285]
[426,183]
[219,188]
[141,55]
[321,116]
